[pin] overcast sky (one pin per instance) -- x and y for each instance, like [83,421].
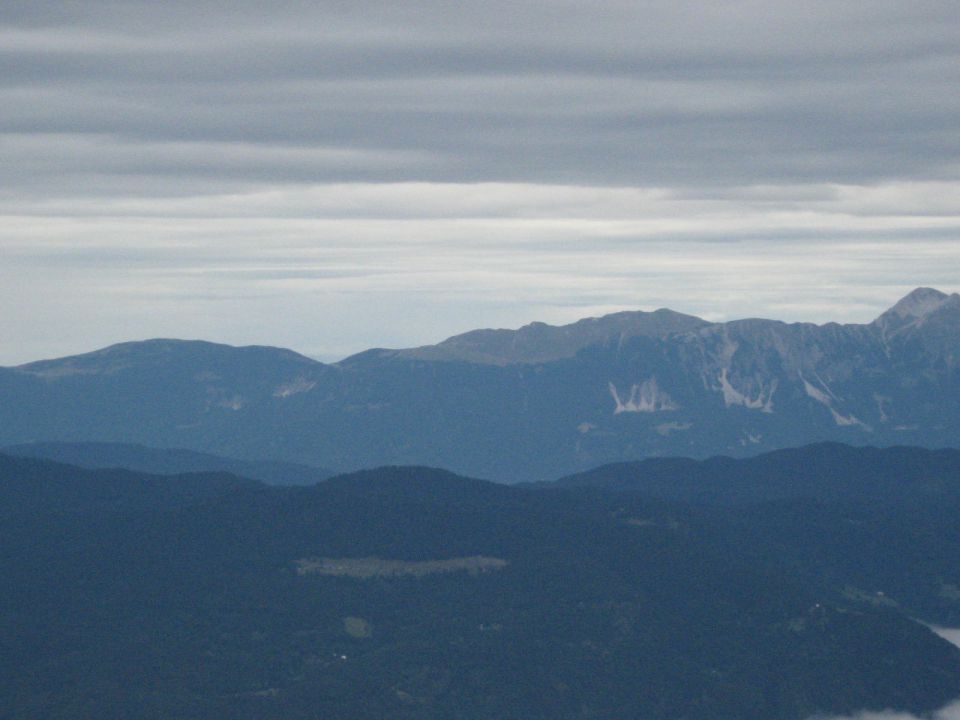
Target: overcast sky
[331,176]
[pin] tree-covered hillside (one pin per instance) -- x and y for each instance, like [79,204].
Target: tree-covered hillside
[410,592]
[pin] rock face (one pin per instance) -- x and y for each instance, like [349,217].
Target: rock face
[534,403]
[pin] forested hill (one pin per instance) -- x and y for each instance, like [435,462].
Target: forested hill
[831,472]
[415,593]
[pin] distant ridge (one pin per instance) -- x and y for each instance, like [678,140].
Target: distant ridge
[166,461]
[539,342]
[828,472]
[518,405]
[157,352]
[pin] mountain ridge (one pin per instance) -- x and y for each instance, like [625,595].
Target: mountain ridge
[644,384]
[826,471]
[624,324]
[540,342]
[165,461]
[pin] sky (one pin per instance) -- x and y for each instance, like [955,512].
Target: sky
[332,176]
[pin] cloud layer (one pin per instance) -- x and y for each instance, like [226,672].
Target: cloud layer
[337,175]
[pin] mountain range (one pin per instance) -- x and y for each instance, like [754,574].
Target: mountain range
[517,405]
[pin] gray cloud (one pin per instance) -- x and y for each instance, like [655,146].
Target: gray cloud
[359,173]
[620,93]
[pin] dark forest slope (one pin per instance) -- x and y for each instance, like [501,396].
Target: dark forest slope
[414,593]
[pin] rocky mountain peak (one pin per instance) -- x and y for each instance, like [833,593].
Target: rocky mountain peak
[919,308]
[918,303]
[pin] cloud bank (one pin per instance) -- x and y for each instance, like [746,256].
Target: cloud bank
[338,175]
